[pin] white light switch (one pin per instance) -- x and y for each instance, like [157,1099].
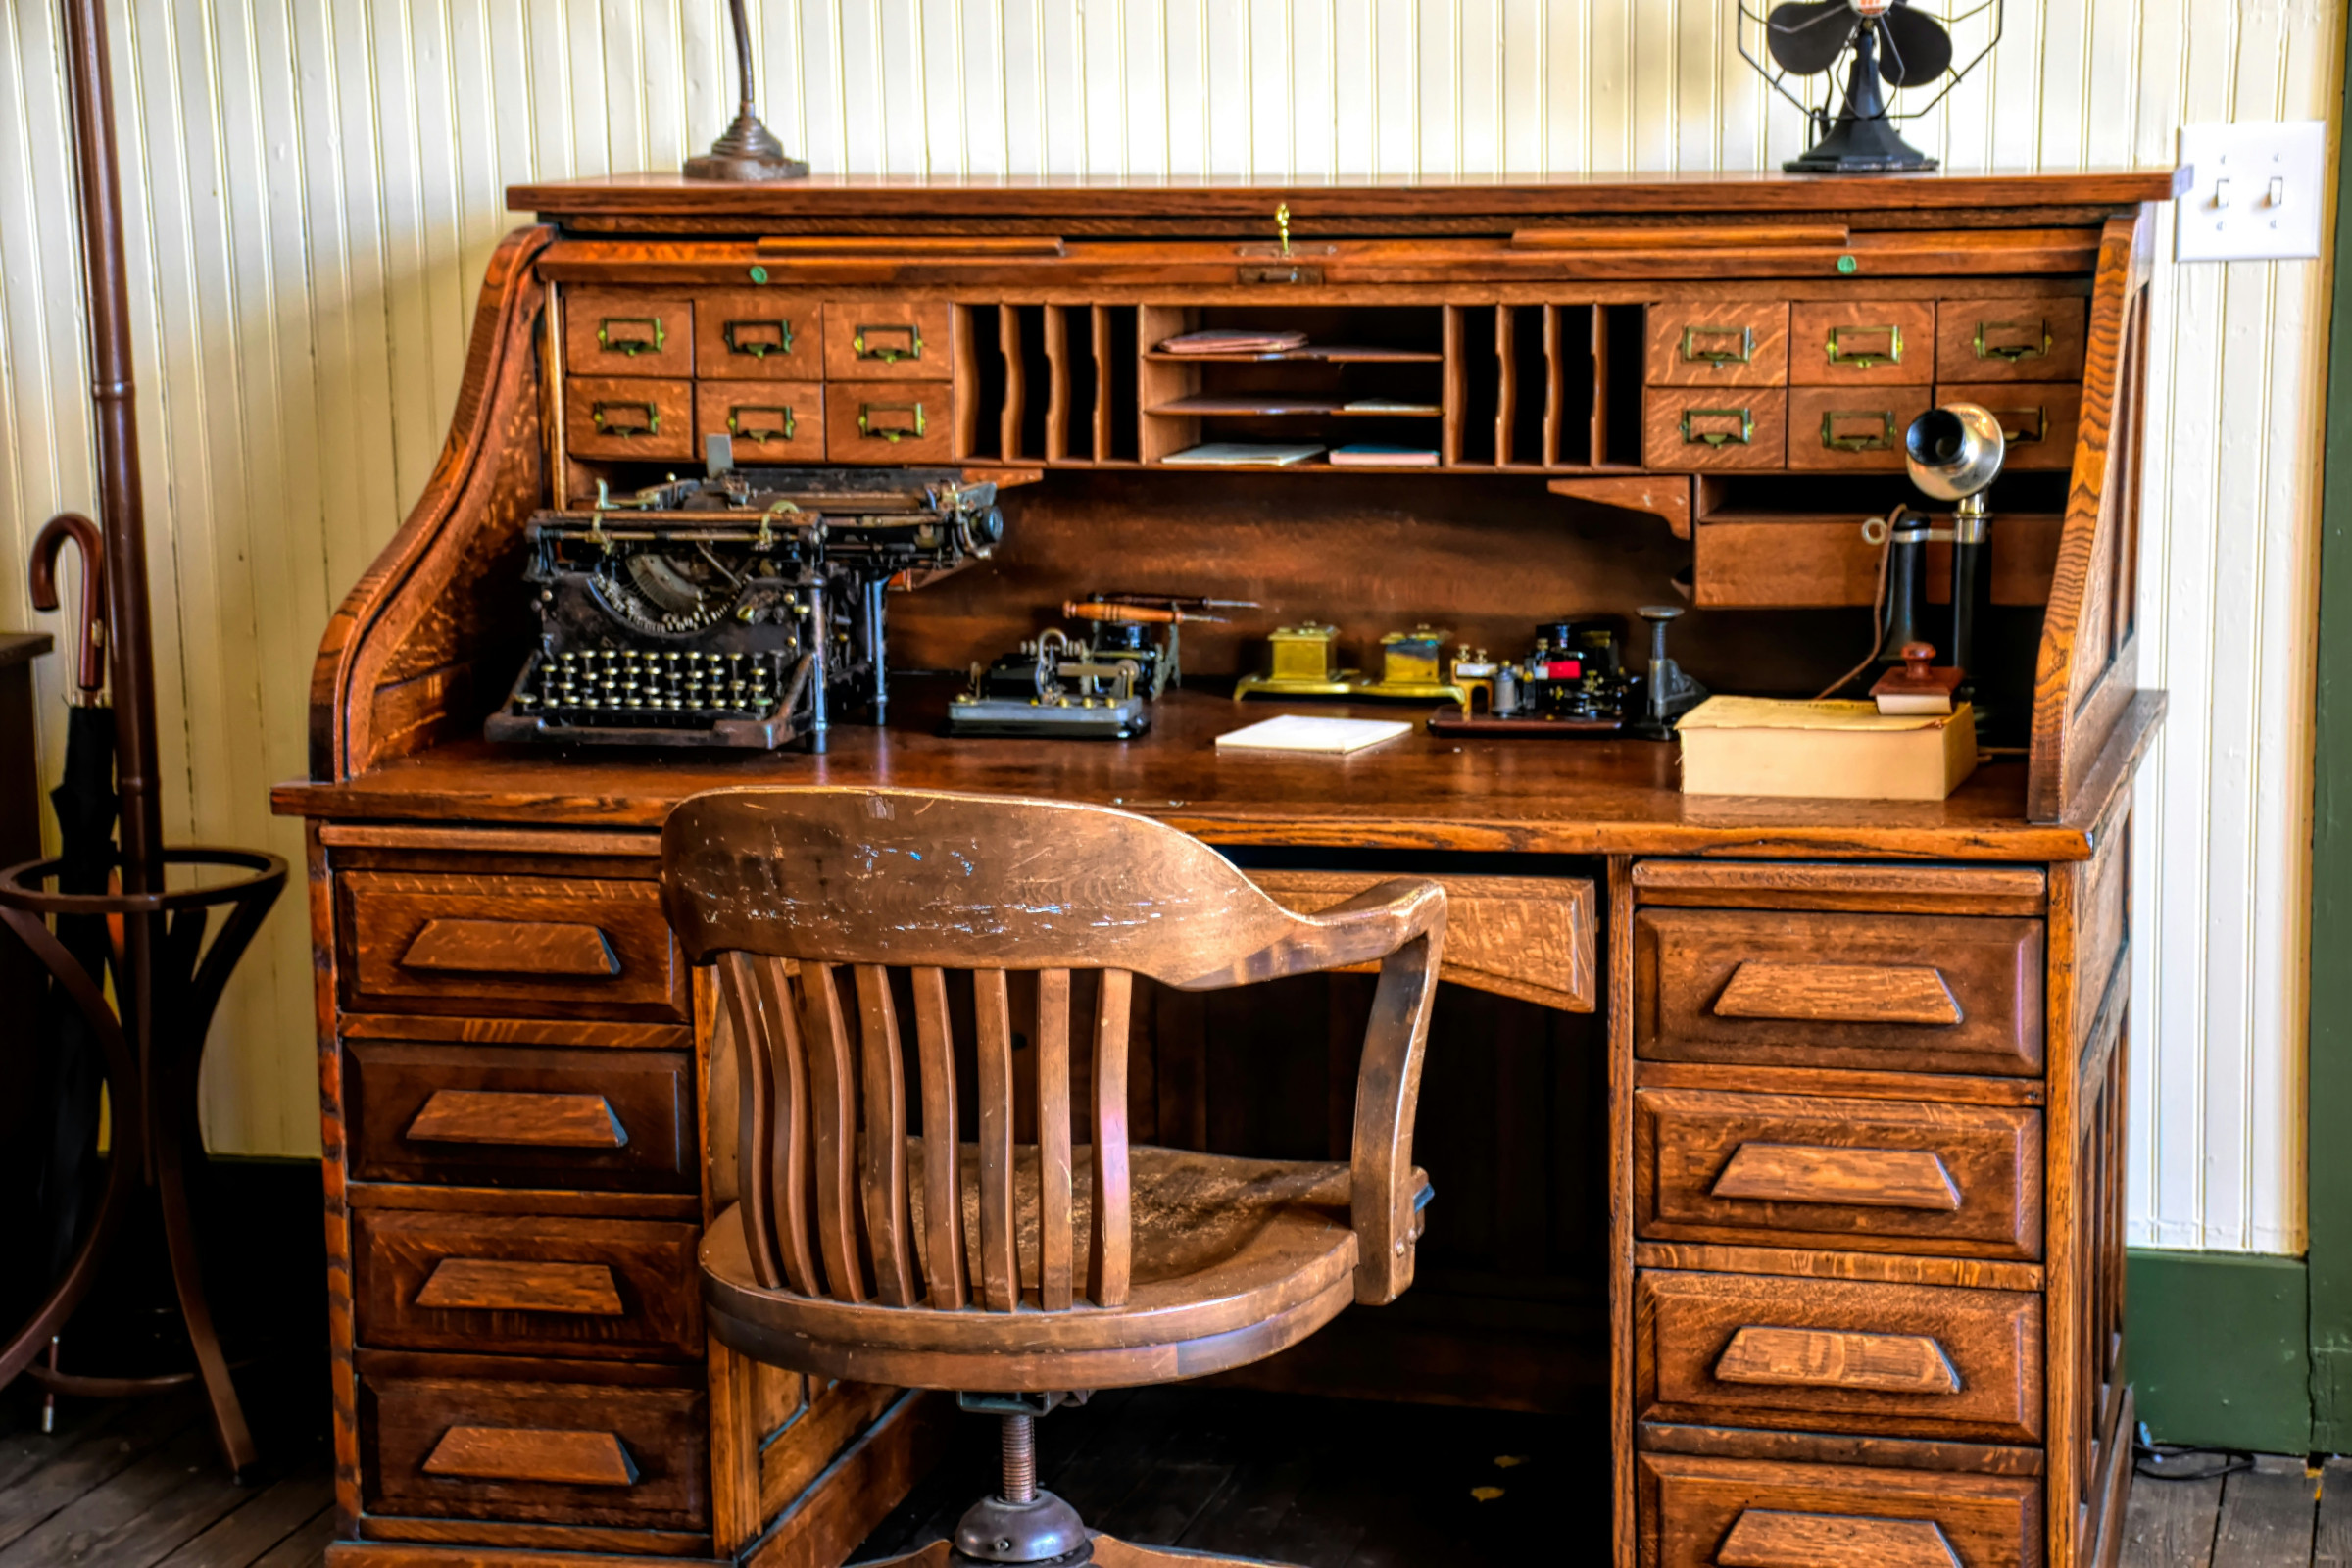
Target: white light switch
[2255,193]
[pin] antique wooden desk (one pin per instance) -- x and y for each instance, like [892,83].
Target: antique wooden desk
[1781,1137]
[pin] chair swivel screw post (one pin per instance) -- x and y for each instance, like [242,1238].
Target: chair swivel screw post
[1019,1447]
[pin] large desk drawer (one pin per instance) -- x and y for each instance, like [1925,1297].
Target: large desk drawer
[550,946]
[1914,1360]
[1528,937]
[473,1117]
[620,1452]
[1904,993]
[529,1283]
[1705,1512]
[1877,1175]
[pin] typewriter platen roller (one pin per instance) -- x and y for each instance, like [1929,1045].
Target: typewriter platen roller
[744,609]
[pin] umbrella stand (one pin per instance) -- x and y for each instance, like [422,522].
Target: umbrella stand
[166,980]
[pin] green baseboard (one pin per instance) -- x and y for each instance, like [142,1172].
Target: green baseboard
[2220,1350]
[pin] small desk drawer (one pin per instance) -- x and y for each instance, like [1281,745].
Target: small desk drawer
[1874,1175]
[471,1116]
[619,1454]
[889,421]
[1528,937]
[550,946]
[1853,428]
[759,334]
[622,332]
[2017,337]
[1715,427]
[1904,993]
[770,422]
[2038,419]
[888,340]
[1753,1350]
[1698,342]
[628,417]
[1856,342]
[1743,1513]
[528,1285]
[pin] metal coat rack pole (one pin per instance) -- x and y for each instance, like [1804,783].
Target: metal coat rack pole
[166,981]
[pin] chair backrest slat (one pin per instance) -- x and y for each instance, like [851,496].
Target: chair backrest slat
[883,1158]
[1055,1245]
[999,1272]
[1111,1245]
[833,1102]
[944,1277]
[755,1143]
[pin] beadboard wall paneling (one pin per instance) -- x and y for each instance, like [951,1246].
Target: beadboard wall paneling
[320,184]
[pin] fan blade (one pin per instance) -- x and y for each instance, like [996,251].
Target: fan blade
[1913,48]
[1807,36]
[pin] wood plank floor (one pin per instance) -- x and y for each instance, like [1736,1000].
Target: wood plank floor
[1319,1483]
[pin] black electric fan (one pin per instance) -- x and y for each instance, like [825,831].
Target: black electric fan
[1885,46]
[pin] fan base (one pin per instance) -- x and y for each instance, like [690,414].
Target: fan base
[1856,164]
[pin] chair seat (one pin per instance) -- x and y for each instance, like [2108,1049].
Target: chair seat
[1233,1260]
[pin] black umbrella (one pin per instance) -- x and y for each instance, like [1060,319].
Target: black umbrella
[63,1153]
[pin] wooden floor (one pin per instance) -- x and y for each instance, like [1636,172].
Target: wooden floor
[1319,1483]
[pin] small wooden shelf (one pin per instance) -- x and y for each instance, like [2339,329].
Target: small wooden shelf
[1212,405]
[1334,354]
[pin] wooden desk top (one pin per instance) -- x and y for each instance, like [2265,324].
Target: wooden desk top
[1419,792]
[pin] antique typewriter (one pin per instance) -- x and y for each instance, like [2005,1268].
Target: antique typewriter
[742,609]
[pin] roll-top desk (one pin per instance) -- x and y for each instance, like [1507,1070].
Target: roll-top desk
[1784,1136]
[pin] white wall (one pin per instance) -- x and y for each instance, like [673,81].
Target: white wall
[321,180]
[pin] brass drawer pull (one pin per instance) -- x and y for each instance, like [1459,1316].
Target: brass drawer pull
[890,432]
[778,428]
[908,347]
[758,339]
[2038,340]
[1891,353]
[2023,428]
[1746,434]
[649,419]
[1721,336]
[646,341]
[1878,440]
[1830,1358]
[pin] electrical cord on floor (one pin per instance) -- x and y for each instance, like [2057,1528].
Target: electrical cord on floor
[2165,1461]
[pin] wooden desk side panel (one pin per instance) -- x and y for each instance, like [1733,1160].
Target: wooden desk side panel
[2088,660]
[397,667]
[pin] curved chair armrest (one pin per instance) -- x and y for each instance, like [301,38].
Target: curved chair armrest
[1374,924]
[1388,1089]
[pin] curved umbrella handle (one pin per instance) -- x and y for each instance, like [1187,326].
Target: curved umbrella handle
[91,674]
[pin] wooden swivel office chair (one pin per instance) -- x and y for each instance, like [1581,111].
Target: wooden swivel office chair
[1016,1275]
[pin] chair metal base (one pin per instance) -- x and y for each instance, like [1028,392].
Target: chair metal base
[1105,1551]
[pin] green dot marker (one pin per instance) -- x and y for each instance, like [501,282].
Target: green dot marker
[1849,266]
[760,273]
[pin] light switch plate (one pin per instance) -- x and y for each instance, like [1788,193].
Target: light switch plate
[2256,192]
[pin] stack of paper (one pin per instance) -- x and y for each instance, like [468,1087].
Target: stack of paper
[1245,455]
[1234,340]
[1304,732]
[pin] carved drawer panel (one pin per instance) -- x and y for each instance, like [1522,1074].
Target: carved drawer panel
[1739,1513]
[1874,1175]
[1700,342]
[889,421]
[1896,992]
[2013,337]
[620,1454]
[551,947]
[2038,419]
[1715,427]
[1857,428]
[623,332]
[531,1284]
[1850,342]
[628,417]
[1821,1354]
[888,340]
[759,334]
[468,1116]
[770,422]
[1527,937]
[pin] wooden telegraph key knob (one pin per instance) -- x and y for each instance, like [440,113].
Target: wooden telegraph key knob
[1919,686]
